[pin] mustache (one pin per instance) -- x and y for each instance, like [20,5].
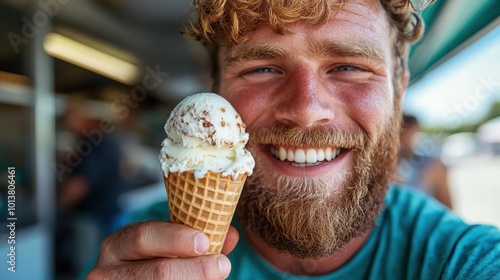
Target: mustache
[288,135]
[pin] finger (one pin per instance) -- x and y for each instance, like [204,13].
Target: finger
[231,240]
[152,239]
[204,267]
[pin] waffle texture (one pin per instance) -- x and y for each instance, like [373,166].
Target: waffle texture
[207,204]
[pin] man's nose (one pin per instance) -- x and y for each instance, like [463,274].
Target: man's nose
[305,100]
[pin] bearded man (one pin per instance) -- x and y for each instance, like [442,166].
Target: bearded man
[319,85]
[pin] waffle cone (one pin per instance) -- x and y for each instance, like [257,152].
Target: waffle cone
[207,204]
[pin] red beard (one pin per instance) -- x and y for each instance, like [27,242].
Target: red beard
[302,216]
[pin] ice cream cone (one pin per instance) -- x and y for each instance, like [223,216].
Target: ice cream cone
[207,204]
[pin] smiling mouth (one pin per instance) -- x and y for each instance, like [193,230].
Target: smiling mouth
[305,157]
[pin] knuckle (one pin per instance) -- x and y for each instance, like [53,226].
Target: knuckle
[107,243]
[179,240]
[176,237]
[209,268]
[163,270]
[139,234]
[134,233]
[105,251]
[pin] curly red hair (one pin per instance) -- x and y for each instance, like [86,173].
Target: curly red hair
[224,23]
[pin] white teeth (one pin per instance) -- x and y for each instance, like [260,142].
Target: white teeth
[311,156]
[320,155]
[328,154]
[282,154]
[301,157]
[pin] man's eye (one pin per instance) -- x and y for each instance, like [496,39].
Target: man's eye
[261,70]
[260,73]
[346,68]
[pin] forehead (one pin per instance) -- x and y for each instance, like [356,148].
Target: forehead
[367,17]
[356,23]
[363,13]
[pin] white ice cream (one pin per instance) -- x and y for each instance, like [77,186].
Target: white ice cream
[205,133]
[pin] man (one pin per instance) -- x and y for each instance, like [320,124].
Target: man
[312,78]
[87,195]
[423,172]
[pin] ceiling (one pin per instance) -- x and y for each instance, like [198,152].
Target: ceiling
[149,30]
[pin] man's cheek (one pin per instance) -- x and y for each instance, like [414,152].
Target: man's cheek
[249,111]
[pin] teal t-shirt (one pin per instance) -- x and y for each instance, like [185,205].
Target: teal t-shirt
[416,238]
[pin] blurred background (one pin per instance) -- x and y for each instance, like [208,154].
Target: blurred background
[86,86]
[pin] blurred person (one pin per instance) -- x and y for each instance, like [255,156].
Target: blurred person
[423,172]
[312,75]
[87,196]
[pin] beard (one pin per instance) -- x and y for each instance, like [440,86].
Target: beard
[313,217]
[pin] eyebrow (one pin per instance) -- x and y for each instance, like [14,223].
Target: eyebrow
[324,48]
[255,52]
[328,48]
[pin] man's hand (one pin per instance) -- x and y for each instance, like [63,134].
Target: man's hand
[160,250]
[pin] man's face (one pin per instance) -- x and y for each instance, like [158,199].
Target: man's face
[320,109]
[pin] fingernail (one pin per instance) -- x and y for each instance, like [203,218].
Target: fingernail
[224,266]
[201,243]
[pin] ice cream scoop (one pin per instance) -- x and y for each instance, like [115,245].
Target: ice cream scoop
[205,133]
